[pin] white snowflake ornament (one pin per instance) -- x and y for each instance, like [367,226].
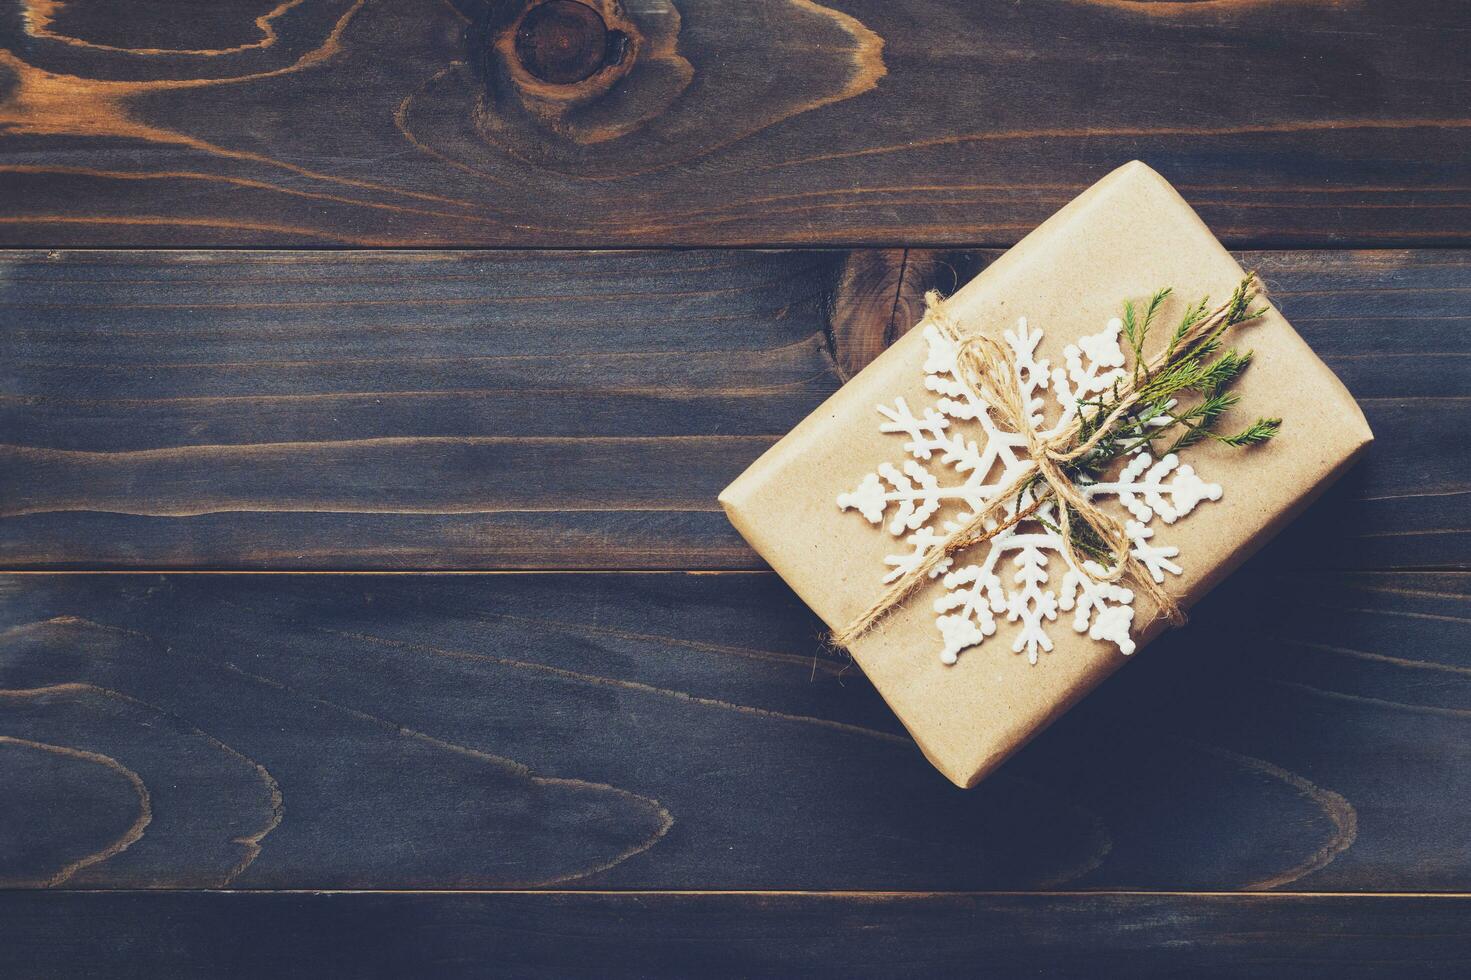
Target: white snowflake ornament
[960,459]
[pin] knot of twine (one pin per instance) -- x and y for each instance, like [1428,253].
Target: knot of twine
[988,368]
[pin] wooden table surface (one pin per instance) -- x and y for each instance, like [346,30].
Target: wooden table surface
[369,368]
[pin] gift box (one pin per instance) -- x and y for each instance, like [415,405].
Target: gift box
[995,646]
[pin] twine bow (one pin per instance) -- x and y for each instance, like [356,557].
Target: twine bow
[989,369]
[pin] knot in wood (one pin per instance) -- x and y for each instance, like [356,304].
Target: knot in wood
[562,42]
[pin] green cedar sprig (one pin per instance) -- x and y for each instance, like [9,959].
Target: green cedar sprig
[1136,329]
[1193,371]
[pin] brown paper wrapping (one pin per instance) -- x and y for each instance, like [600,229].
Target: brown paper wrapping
[1125,237]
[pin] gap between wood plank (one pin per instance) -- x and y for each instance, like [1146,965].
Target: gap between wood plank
[745,892]
[1397,570]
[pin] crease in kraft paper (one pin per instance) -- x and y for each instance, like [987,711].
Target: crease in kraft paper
[1123,238]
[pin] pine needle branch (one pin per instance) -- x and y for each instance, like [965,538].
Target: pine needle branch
[1193,369]
[1255,434]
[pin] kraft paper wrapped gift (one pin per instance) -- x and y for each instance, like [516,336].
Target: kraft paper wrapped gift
[1124,238]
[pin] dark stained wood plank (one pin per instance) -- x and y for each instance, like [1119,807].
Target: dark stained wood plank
[245,934]
[383,122]
[1308,731]
[445,381]
[554,410]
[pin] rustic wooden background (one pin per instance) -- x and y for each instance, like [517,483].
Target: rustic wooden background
[368,611]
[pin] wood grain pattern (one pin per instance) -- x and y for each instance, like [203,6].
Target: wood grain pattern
[687,731]
[540,410]
[625,935]
[619,745]
[374,122]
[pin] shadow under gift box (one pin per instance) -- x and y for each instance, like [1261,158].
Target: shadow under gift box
[1125,237]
